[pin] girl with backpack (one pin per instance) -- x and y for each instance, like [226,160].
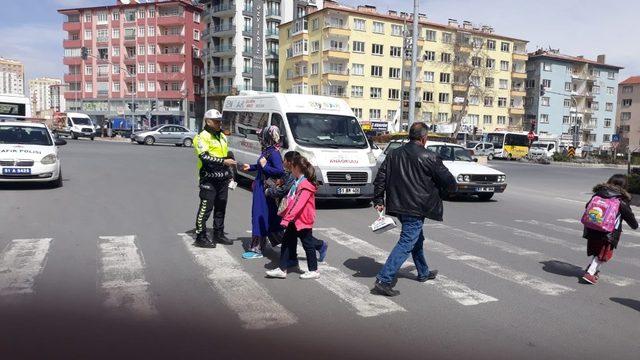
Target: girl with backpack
[298,218]
[265,222]
[602,221]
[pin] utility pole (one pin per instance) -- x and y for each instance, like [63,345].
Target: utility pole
[414,58]
[402,76]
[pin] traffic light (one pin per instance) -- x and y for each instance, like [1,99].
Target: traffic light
[533,126]
[84,53]
[475,130]
[153,105]
[542,90]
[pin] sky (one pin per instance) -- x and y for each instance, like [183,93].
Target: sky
[31,30]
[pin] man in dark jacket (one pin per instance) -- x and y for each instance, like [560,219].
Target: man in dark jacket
[412,179]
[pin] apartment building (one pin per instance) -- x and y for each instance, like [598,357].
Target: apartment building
[579,100]
[242,45]
[145,53]
[628,114]
[11,77]
[467,75]
[40,93]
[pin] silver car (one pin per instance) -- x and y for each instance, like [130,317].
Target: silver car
[481,149]
[165,134]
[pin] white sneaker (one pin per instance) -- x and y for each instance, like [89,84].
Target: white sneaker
[277,273]
[310,275]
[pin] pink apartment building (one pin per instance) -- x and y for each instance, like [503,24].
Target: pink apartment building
[146,53]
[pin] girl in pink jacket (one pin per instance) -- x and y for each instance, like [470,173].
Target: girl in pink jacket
[298,219]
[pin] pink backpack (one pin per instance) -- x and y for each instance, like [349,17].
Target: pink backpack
[601,214]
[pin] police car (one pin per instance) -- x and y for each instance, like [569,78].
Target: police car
[29,153]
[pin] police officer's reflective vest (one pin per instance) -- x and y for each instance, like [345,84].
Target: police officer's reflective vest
[216,146]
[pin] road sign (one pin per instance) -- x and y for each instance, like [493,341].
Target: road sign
[572,151]
[615,138]
[531,136]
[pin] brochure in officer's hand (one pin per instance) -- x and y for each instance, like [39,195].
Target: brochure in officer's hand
[383,223]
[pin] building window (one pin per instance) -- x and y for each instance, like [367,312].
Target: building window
[625,116]
[140,31]
[443,98]
[115,15]
[358,69]
[502,120]
[152,50]
[88,70]
[489,82]
[544,118]
[504,84]
[427,96]
[544,101]
[88,87]
[610,91]
[529,84]
[504,46]
[474,100]
[627,89]
[567,103]
[141,86]
[430,56]
[502,102]
[488,101]
[115,33]
[87,17]
[315,90]
[115,87]
[504,65]
[396,30]
[374,114]
[359,24]
[546,66]
[396,51]
[428,76]
[357,112]
[151,86]
[394,73]
[487,120]
[357,91]
[152,69]
[606,137]
[445,57]
[607,123]
[377,49]
[567,86]
[196,17]
[546,83]
[376,93]
[315,46]
[566,120]
[394,94]
[595,90]
[431,35]
[445,78]
[196,35]
[491,44]
[476,61]
[611,75]
[490,63]
[87,34]
[595,105]
[378,27]
[152,12]
[115,51]
[141,69]
[314,68]
[315,24]
[103,17]
[358,46]
[115,69]
[609,107]
[141,49]
[626,102]
[376,71]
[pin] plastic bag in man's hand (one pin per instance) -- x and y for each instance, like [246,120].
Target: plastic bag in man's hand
[383,223]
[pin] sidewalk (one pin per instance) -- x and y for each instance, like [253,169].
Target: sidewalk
[577,165]
[113,139]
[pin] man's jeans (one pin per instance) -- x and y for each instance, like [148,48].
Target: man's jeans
[411,240]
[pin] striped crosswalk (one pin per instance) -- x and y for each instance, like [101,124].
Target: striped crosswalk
[124,285]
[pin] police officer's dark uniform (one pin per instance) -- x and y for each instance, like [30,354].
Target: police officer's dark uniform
[212,150]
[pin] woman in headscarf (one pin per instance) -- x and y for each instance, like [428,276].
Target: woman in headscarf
[265,222]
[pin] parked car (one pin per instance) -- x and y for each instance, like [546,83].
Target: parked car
[471,177]
[481,149]
[165,134]
[29,153]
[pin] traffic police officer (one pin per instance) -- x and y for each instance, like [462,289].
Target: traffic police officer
[214,171]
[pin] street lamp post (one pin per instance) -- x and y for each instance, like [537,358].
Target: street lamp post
[414,59]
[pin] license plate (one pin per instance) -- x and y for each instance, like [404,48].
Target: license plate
[348,191]
[485,189]
[16,171]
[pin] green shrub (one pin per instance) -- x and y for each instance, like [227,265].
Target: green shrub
[560,157]
[634,184]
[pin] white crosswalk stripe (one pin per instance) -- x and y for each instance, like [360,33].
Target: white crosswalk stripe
[450,288]
[629,232]
[349,291]
[551,240]
[535,255]
[495,269]
[122,276]
[20,262]
[570,231]
[255,307]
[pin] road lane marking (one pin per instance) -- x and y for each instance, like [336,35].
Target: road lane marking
[349,291]
[535,255]
[20,262]
[242,294]
[571,200]
[629,231]
[452,289]
[551,240]
[122,277]
[570,231]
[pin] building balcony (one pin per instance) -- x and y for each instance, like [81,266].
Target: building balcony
[457,107]
[337,53]
[518,92]
[247,31]
[68,44]
[272,15]
[171,58]
[247,51]
[68,78]
[247,10]
[272,75]
[70,95]
[222,50]
[170,94]
[336,94]
[518,74]
[223,10]
[247,72]
[334,75]
[72,26]
[223,70]
[170,39]
[271,55]
[170,20]
[460,87]
[170,76]
[333,29]
[520,56]
[102,39]
[463,47]
[72,60]
[516,110]
[271,34]
[223,30]
[206,32]
[303,56]
[220,90]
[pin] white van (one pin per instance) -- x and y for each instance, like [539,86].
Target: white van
[543,149]
[74,125]
[323,129]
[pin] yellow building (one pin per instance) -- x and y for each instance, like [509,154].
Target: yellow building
[465,72]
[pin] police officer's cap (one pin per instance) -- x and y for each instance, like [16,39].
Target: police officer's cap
[213,114]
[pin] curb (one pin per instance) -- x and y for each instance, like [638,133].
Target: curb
[578,165]
[121,140]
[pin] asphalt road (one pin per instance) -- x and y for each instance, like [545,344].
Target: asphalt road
[99,269]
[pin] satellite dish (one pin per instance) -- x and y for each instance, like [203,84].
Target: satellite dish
[125,2]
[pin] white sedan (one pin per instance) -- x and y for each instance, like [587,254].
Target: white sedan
[471,177]
[29,153]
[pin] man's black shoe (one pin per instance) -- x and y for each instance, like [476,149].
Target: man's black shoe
[203,241]
[221,238]
[384,289]
[430,276]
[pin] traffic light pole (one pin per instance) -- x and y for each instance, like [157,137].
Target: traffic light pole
[414,70]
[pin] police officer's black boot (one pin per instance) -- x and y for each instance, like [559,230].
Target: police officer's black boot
[203,240]
[220,237]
